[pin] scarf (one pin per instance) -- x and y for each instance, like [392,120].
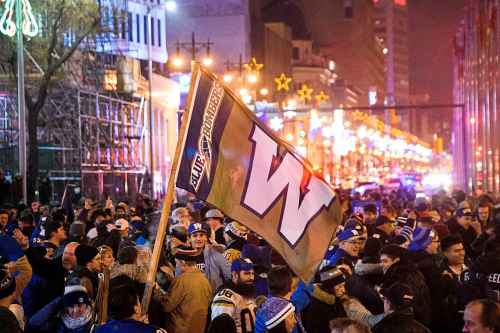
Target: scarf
[72,323]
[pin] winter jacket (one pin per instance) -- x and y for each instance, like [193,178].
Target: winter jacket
[400,322]
[450,302]
[408,274]
[187,302]
[217,268]
[322,308]
[128,326]
[485,276]
[48,320]
[46,283]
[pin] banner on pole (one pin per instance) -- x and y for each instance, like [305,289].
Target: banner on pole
[232,161]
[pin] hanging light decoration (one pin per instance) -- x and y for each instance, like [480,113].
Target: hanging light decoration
[29,25]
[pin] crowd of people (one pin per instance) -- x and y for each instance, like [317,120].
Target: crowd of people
[398,264]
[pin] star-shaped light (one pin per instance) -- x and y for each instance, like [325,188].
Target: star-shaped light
[282,82]
[305,93]
[321,97]
[253,66]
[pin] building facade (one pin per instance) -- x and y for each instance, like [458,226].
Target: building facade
[343,31]
[391,30]
[476,125]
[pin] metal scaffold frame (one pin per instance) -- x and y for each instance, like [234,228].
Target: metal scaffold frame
[113,145]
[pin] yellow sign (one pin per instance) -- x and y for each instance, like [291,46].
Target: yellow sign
[282,82]
[305,93]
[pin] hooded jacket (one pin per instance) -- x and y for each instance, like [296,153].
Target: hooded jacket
[400,321]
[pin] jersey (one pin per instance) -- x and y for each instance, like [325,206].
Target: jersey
[241,309]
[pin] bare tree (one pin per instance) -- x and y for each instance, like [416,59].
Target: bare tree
[65,26]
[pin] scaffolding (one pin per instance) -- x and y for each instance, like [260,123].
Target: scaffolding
[113,146]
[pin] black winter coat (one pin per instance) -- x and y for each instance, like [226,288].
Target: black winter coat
[485,276]
[408,274]
[400,322]
[320,311]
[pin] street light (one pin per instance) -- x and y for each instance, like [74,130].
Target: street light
[207,61]
[252,78]
[177,62]
[171,6]
[228,78]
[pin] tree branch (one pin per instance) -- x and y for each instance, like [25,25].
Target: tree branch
[54,66]
[55,30]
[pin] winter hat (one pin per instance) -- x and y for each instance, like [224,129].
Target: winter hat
[331,275]
[224,323]
[179,232]
[422,237]
[449,241]
[214,214]
[7,284]
[74,295]
[348,234]
[399,294]
[236,230]
[199,227]
[85,253]
[272,312]
[242,264]
[187,253]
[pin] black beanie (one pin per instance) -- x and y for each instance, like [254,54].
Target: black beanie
[85,253]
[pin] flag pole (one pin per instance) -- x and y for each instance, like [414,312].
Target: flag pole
[169,198]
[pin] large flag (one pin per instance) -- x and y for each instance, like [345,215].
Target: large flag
[231,160]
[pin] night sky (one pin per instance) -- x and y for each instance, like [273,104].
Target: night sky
[432,24]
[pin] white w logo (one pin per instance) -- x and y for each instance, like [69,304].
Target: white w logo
[305,195]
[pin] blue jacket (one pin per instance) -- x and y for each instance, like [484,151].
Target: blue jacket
[128,326]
